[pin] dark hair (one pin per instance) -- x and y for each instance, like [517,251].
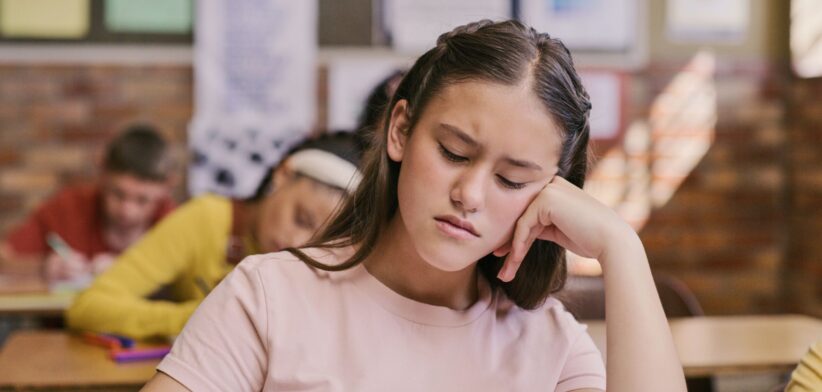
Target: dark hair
[375,107]
[342,144]
[506,53]
[140,151]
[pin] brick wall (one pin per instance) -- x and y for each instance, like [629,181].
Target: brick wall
[55,121]
[724,230]
[803,263]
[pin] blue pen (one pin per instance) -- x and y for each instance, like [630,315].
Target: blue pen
[124,341]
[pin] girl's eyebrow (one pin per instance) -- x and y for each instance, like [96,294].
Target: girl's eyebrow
[467,139]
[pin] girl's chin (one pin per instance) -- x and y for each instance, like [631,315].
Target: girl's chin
[450,265]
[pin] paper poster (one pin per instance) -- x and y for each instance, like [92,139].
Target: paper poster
[255,90]
[148,16]
[605,91]
[414,25]
[44,18]
[708,21]
[350,80]
[806,46]
[598,25]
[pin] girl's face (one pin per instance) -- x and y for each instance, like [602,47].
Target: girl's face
[294,211]
[475,160]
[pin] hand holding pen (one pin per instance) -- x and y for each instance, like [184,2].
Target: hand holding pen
[65,263]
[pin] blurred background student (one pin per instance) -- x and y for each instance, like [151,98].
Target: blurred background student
[196,246]
[79,230]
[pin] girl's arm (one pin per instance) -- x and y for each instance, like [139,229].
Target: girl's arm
[117,302]
[161,382]
[640,351]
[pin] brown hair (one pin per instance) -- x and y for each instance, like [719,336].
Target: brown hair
[140,151]
[506,53]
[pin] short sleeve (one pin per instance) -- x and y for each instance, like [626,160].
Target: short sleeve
[223,347]
[808,375]
[584,367]
[29,237]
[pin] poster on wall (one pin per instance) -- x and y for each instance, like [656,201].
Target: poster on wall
[593,25]
[351,80]
[255,78]
[414,25]
[52,19]
[805,33]
[148,16]
[606,90]
[707,21]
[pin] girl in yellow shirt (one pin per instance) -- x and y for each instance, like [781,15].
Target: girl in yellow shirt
[191,250]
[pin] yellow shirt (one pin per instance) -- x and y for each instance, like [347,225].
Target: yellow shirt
[808,375]
[185,254]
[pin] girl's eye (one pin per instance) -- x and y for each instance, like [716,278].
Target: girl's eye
[302,220]
[510,184]
[450,155]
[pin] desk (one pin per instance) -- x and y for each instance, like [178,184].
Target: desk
[735,344]
[57,360]
[29,296]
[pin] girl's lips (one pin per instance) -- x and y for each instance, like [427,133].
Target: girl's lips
[455,230]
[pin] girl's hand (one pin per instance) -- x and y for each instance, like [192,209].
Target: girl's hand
[564,214]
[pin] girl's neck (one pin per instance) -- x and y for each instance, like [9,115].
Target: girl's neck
[395,262]
[248,216]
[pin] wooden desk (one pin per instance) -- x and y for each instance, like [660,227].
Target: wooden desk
[735,344]
[56,360]
[24,295]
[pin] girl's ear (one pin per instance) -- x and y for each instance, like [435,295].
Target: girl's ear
[398,131]
[282,174]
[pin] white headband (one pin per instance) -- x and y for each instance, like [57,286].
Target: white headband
[326,167]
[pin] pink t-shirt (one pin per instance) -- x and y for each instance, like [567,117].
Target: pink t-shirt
[274,324]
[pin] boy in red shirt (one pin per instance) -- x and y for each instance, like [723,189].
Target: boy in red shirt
[79,230]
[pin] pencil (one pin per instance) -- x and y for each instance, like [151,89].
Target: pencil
[201,283]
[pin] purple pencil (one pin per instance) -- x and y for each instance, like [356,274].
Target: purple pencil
[139,354]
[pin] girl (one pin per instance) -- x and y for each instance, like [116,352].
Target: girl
[437,272]
[195,247]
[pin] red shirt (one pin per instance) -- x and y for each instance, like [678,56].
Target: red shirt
[75,214]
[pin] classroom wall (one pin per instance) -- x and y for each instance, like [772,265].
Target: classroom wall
[55,120]
[724,231]
[803,262]
[730,231]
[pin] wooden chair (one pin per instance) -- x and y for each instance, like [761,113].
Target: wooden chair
[584,297]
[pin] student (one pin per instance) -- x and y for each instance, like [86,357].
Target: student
[91,223]
[436,275]
[196,246]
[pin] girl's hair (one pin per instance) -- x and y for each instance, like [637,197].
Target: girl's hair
[375,107]
[506,53]
[342,144]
